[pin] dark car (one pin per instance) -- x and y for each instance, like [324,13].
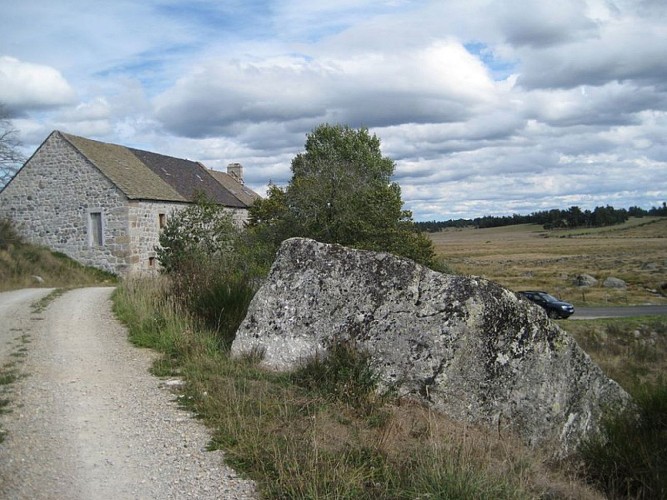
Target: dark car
[555,308]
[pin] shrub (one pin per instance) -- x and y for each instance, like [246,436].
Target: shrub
[212,265]
[629,458]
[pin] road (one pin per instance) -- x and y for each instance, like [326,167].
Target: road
[87,420]
[618,312]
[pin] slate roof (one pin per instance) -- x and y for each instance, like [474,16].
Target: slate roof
[188,178]
[142,175]
[243,193]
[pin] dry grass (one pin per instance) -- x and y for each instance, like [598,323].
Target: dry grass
[632,351]
[301,440]
[528,257]
[23,266]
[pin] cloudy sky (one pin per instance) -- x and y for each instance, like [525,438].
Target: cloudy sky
[488,107]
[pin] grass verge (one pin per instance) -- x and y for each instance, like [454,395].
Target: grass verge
[322,431]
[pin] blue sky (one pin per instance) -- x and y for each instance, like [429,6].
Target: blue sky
[488,107]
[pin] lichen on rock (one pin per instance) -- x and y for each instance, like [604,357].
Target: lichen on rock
[463,345]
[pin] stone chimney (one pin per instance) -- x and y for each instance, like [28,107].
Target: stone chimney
[235,170]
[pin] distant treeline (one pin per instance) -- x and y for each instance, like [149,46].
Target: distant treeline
[551,219]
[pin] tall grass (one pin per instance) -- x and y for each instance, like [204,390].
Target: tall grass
[629,458]
[322,431]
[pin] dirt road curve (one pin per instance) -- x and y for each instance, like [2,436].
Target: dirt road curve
[88,421]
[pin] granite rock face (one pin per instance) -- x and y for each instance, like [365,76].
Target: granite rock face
[463,345]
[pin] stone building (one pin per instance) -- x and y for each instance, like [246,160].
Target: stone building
[104,204]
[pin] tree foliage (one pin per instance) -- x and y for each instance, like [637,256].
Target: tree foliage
[203,230]
[341,192]
[11,157]
[206,256]
[573,217]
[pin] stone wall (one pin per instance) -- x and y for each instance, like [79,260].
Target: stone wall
[50,202]
[144,219]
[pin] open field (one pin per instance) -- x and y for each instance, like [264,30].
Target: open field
[528,257]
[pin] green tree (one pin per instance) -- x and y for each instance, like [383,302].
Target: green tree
[341,192]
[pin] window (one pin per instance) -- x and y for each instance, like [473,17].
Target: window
[162,220]
[95,237]
[151,261]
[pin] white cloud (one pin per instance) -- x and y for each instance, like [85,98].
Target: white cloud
[440,82]
[487,106]
[27,86]
[97,109]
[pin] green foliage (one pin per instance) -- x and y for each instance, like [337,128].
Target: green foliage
[629,458]
[555,218]
[341,192]
[201,230]
[212,266]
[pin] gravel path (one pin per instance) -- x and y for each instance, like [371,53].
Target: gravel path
[88,421]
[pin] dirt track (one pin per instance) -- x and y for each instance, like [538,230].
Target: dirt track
[87,420]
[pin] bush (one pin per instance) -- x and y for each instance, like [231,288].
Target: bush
[212,265]
[629,458]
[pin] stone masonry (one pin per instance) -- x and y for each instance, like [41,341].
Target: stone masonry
[144,228]
[50,203]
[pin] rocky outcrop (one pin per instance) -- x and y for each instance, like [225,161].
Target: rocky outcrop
[463,345]
[612,282]
[585,280]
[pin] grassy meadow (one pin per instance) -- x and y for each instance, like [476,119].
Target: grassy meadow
[526,257]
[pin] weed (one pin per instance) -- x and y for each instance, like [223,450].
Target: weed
[8,235]
[8,377]
[629,350]
[4,406]
[165,367]
[342,373]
